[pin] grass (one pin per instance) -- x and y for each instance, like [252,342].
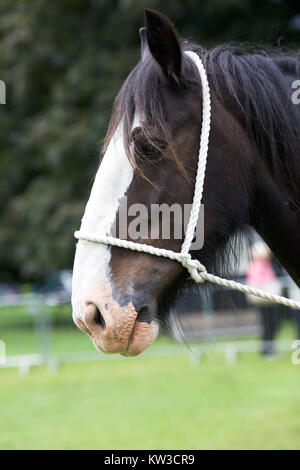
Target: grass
[152,403]
[57,340]
[22,315]
[157,403]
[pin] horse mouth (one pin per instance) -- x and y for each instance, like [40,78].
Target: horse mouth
[142,336]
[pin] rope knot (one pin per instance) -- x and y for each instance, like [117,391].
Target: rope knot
[195,268]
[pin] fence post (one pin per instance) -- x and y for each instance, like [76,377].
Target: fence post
[42,325]
[208,312]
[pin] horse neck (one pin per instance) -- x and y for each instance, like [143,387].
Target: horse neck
[277,223]
[267,204]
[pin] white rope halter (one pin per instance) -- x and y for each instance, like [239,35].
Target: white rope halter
[196,270]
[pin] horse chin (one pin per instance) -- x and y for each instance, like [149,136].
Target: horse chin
[142,336]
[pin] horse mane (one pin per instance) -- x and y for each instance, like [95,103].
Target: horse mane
[253,82]
[258,83]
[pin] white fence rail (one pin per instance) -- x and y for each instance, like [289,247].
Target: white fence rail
[206,330]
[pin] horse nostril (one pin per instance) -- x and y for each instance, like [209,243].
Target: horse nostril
[145,315]
[99,320]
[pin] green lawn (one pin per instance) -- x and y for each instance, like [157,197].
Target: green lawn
[154,403]
[57,340]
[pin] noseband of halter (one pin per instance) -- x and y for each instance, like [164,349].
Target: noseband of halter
[196,270]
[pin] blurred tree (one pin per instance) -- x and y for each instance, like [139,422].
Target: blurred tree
[63,63]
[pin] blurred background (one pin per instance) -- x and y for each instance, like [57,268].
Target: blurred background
[220,375]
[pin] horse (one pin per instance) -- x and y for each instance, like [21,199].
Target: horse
[150,158]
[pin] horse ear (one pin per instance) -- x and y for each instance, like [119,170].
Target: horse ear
[163,43]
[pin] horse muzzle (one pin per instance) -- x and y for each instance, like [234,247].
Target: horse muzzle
[115,328]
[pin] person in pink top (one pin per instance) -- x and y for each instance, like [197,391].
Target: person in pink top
[260,271]
[260,274]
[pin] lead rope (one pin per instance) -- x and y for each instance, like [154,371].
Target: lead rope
[196,270]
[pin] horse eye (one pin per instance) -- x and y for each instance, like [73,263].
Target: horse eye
[151,150]
[147,151]
[144,148]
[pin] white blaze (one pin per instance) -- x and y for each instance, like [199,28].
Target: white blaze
[91,259]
